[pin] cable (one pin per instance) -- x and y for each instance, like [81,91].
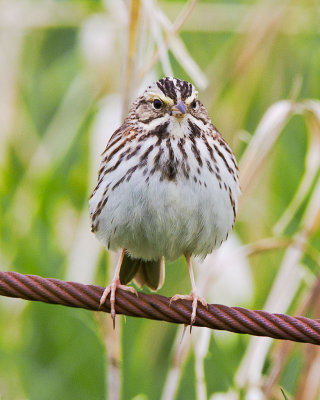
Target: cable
[153,306]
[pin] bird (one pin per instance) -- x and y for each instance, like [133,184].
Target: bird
[168,186]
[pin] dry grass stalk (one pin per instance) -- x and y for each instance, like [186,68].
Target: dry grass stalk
[157,33]
[177,46]
[311,111]
[282,293]
[262,142]
[181,350]
[135,10]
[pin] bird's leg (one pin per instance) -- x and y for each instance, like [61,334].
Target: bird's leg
[193,296]
[114,285]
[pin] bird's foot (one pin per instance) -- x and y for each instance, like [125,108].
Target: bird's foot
[114,285]
[194,297]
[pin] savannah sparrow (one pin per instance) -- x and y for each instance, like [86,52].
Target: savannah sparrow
[168,186]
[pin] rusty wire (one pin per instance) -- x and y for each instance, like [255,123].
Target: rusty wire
[152,306]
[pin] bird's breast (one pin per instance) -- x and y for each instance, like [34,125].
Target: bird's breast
[166,197]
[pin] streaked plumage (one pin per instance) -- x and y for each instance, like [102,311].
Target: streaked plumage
[167,186]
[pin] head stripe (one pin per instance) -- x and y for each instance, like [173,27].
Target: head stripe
[171,86]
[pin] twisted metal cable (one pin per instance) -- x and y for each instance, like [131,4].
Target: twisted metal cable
[152,306]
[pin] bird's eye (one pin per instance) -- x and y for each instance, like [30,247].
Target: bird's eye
[194,104]
[157,104]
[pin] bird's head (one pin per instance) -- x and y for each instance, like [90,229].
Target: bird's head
[172,102]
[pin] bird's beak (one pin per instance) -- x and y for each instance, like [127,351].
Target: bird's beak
[179,109]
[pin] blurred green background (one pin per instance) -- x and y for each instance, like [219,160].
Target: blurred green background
[68,71]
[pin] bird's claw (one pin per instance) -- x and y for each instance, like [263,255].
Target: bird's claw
[194,297]
[114,285]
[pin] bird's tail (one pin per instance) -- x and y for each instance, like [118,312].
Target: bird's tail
[150,273]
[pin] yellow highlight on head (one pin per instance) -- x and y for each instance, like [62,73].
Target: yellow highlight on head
[189,100]
[159,95]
